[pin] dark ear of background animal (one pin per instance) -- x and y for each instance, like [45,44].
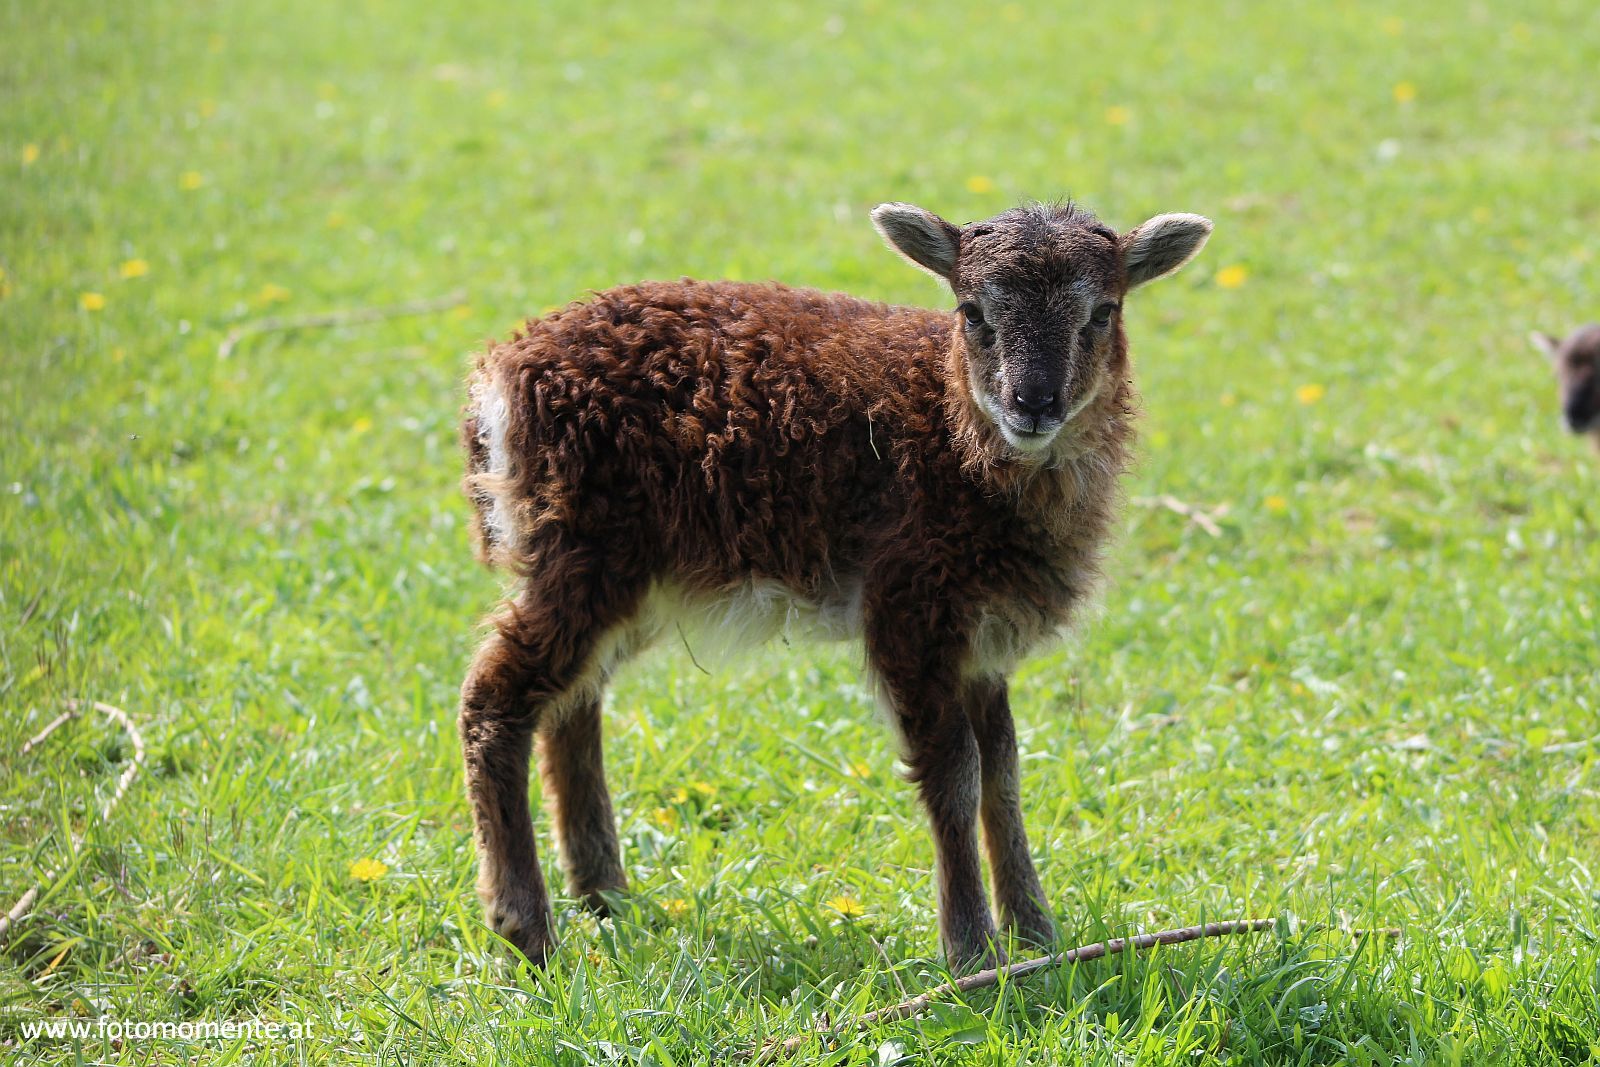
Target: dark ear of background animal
[921,236]
[1162,245]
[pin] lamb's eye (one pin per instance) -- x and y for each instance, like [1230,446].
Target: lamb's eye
[972,313]
[1102,314]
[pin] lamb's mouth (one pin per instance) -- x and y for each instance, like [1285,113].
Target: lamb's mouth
[1022,432]
[1028,433]
[1032,437]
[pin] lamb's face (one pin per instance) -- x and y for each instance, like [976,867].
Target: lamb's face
[1040,305]
[1039,293]
[1576,361]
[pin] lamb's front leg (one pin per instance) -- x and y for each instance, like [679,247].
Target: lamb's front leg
[1023,906]
[943,758]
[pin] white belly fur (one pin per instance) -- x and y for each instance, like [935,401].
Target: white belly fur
[718,625]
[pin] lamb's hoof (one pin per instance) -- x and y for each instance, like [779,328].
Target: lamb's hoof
[975,954]
[525,923]
[1032,928]
[602,902]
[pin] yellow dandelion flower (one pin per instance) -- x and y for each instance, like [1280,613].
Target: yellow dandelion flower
[847,906]
[1404,92]
[361,426]
[1394,27]
[30,154]
[705,789]
[134,268]
[273,293]
[1232,277]
[1276,503]
[190,180]
[980,184]
[497,99]
[680,795]
[1117,115]
[1310,393]
[663,817]
[676,908]
[367,869]
[91,301]
[859,770]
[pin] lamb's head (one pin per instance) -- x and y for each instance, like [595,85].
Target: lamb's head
[1576,361]
[1039,291]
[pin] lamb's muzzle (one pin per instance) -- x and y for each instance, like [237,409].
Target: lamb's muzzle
[720,457]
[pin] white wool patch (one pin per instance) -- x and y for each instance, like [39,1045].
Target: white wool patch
[493,414]
[998,644]
[718,625]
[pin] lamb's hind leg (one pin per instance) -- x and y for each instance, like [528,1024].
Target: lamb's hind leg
[502,701]
[1017,891]
[572,767]
[541,655]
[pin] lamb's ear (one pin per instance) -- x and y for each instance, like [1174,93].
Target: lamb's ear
[1545,343]
[921,236]
[1162,245]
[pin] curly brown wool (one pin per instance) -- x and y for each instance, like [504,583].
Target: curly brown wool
[748,457]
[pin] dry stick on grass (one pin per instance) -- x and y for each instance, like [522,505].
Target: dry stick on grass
[348,317]
[1011,972]
[1205,518]
[124,780]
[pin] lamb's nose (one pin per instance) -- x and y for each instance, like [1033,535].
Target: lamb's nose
[1035,404]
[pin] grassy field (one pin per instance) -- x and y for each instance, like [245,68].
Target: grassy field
[1369,701]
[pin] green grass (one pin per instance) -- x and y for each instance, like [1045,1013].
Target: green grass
[1368,701]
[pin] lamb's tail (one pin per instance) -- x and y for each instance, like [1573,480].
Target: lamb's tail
[484,424]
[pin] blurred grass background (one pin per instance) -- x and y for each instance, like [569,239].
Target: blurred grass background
[1371,699]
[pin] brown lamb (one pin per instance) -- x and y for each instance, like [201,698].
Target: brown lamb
[745,457]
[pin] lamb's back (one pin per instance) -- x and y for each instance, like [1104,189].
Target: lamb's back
[754,429]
